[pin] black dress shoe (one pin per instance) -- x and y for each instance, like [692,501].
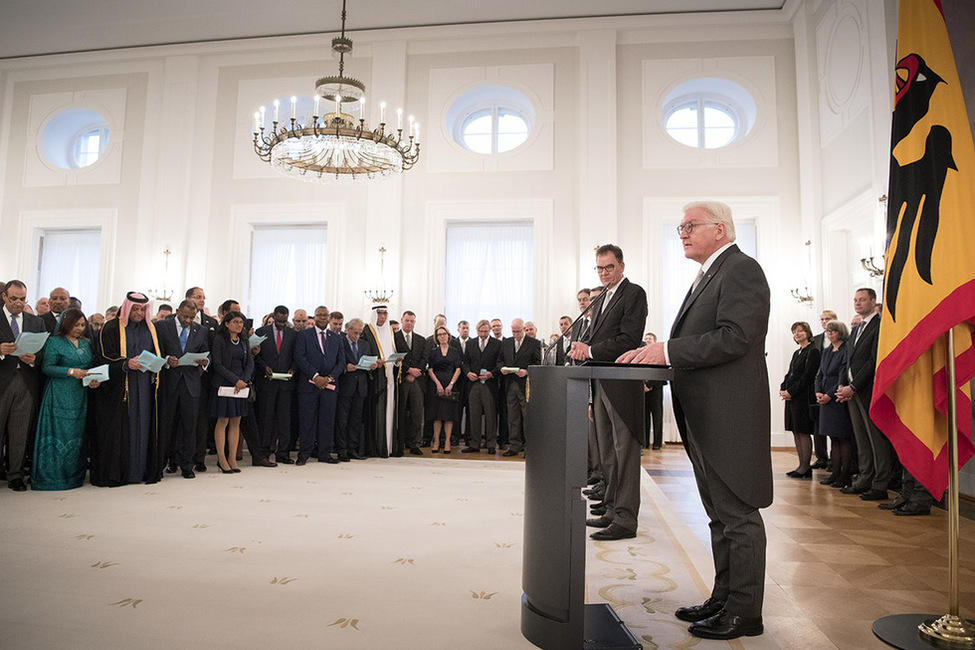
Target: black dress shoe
[189,474]
[655,447]
[599,522]
[695,613]
[200,467]
[510,452]
[343,459]
[265,462]
[355,456]
[613,532]
[896,504]
[852,489]
[301,461]
[726,625]
[492,450]
[912,510]
[284,460]
[17,485]
[600,511]
[416,451]
[171,468]
[875,495]
[828,480]
[819,464]
[469,450]
[329,460]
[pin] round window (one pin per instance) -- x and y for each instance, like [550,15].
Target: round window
[491,119]
[74,138]
[708,113]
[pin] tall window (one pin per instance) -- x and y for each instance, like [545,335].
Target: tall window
[70,259]
[287,268]
[489,272]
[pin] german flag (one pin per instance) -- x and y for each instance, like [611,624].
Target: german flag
[929,288]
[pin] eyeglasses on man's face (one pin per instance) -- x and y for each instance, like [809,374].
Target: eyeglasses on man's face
[689,227]
[609,268]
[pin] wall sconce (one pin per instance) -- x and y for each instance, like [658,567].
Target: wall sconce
[804,296]
[163,294]
[380,296]
[869,265]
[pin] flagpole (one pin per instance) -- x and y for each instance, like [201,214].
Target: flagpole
[950,630]
[910,631]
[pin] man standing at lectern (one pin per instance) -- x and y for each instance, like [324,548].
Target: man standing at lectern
[721,403]
[617,406]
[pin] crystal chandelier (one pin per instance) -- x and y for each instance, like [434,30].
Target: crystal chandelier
[337,147]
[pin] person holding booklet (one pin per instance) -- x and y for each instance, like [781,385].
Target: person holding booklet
[232,367]
[60,462]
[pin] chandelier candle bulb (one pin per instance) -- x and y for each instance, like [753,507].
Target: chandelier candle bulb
[399,119]
[276,104]
[294,101]
[257,122]
[382,112]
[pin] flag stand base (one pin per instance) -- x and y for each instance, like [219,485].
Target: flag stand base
[924,631]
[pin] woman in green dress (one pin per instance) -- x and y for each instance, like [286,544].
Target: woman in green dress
[59,450]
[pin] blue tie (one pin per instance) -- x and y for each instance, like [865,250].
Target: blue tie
[15,327]
[355,349]
[182,339]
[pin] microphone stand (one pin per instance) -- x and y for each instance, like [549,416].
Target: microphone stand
[591,308]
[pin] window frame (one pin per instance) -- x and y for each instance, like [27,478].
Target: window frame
[703,101]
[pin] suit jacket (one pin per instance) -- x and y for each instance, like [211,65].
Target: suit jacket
[720,386]
[312,361]
[196,341]
[490,359]
[357,381]
[220,360]
[861,359]
[269,357]
[415,357]
[530,354]
[560,356]
[11,364]
[50,321]
[618,326]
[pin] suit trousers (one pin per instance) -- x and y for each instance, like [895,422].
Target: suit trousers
[874,451]
[316,414]
[275,416]
[517,409]
[619,458]
[654,402]
[737,539]
[348,424]
[480,401]
[180,412]
[16,411]
[593,466]
[410,426]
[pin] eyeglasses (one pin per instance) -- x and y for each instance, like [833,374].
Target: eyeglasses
[609,268]
[689,227]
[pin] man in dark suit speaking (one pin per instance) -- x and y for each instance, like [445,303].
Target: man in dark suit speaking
[721,403]
[618,317]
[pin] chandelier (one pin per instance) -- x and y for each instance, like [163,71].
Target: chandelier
[337,146]
[380,296]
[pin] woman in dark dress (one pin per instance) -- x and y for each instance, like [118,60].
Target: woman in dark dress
[834,418]
[232,366]
[60,462]
[444,364]
[797,390]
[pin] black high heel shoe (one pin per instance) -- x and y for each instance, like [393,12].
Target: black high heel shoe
[229,470]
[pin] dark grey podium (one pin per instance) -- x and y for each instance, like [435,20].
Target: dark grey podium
[553,612]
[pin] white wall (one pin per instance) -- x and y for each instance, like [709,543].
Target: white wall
[181,176]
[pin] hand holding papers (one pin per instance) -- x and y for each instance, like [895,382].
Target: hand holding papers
[231,391]
[255,341]
[366,361]
[395,356]
[99,374]
[149,361]
[30,343]
[190,358]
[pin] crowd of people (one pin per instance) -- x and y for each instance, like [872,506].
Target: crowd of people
[827,392]
[291,388]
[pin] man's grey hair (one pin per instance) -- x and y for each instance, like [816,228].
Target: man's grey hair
[718,213]
[354,323]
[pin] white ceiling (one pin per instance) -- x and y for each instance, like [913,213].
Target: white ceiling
[37,27]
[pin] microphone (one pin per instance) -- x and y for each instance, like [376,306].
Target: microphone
[591,308]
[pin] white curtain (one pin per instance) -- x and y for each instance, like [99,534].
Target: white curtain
[287,268]
[70,259]
[489,272]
